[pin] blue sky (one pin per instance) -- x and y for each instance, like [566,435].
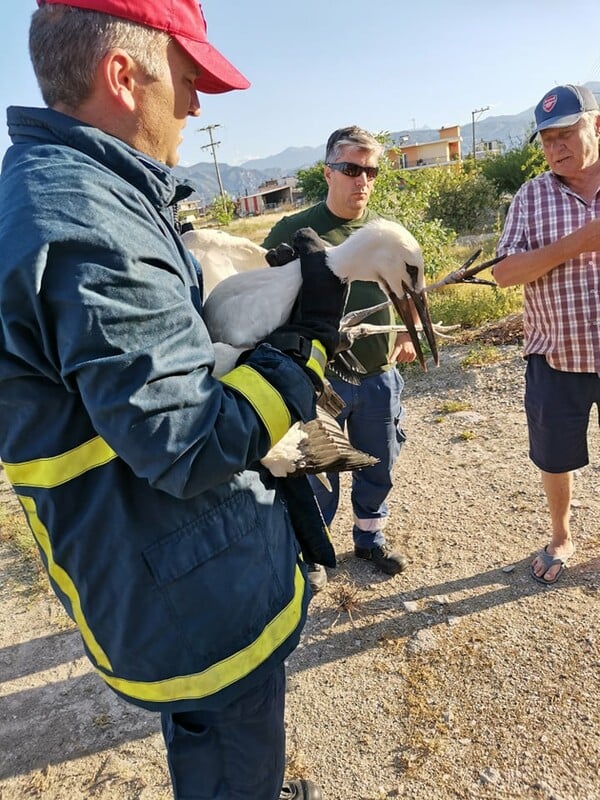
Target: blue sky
[384,64]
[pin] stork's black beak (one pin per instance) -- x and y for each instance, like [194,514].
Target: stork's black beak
[402,306]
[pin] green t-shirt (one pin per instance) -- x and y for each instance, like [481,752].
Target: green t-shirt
[373,351]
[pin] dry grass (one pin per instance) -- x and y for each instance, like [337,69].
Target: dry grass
[15,531]
[452,406]
[345,599]
[481,355]
[255,228]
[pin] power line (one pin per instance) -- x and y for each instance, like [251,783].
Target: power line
[475,114]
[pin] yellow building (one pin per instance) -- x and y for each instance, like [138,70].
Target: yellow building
[413,155]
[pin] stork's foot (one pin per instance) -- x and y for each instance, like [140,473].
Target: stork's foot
[317,577]
[387,560]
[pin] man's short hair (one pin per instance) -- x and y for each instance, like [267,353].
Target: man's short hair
[66,44]
[352,136]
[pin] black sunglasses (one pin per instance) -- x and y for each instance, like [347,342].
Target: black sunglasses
[354,170]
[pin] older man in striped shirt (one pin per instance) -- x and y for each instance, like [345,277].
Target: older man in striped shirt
[551,241]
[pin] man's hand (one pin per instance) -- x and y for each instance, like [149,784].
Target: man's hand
[404,350]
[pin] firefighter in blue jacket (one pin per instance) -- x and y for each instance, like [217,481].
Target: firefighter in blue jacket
[164,538]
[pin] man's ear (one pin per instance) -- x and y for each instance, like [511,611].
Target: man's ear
[119,72]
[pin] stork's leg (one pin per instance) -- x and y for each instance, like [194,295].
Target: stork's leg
[353,318]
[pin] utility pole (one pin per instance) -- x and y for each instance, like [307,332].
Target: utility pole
[212,146]
[478,112]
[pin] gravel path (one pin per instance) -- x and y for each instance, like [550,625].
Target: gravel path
[462,678]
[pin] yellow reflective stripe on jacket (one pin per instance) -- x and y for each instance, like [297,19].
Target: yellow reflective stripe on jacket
[224,673]
[63,581]
[45,473]
[264,398]
[318,359]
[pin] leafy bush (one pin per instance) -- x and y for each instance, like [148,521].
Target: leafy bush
[222,210]
[471,306]
[461,199]
[510,170]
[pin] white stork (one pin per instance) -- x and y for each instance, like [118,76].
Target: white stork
[221,255]
[244,308]
[244,302]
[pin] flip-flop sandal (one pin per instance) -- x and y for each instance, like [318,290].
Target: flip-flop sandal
[549,561]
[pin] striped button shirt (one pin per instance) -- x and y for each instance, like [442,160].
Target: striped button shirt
[561,316]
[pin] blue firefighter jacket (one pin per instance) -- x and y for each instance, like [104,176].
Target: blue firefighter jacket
[164,538]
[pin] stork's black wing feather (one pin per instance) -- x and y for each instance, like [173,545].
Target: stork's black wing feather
[346,366]
[326,448]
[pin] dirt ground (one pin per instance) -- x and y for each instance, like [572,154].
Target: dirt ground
[461,678]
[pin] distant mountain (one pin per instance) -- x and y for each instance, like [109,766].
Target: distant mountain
[245,179]
[237,181]
[289,160]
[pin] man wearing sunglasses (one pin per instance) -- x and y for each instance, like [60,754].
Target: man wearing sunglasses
[373,411]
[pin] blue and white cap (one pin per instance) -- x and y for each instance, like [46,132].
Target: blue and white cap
[563,106]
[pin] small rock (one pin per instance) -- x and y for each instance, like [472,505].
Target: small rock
[509,568]
[410,605]
[490,775]
[422,642]
[549,792]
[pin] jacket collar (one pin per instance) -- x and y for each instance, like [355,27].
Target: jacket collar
[48,127]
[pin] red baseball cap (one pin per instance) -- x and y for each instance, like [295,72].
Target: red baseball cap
[184,21]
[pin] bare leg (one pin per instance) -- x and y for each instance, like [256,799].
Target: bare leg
[558,488]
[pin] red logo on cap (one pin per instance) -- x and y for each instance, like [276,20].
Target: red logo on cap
[549,102]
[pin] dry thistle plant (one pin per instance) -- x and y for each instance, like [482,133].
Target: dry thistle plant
[345,597]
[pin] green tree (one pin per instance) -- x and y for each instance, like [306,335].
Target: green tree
[222,209]
[312,182]
[462,199]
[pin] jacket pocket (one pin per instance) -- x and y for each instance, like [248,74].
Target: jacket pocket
[225,576]
[212,533]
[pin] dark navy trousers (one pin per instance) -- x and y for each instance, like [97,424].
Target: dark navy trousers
[372,419]
[234,754]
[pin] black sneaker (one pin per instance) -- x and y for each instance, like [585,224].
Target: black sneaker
[317,579]
[300,790]
[387,560]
